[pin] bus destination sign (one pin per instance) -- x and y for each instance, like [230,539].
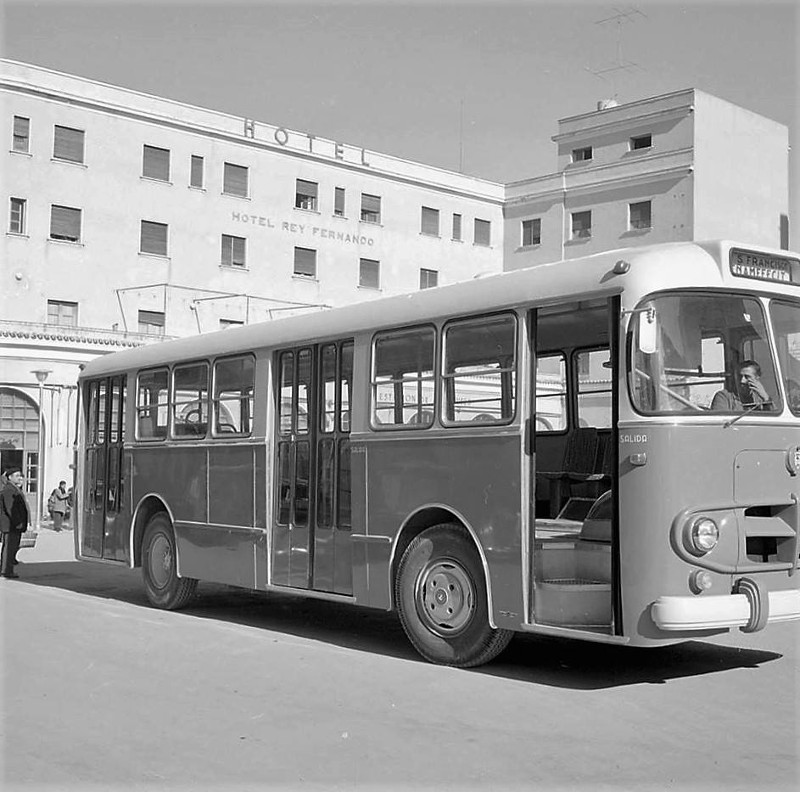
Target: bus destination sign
[760,266]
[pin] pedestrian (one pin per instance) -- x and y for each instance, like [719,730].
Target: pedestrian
[14,520]
[58,503]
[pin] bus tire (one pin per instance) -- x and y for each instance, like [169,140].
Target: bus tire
[440,591]
[162,585]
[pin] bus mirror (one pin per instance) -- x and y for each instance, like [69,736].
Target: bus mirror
[648,331]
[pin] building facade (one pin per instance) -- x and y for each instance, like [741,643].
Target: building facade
[682,166]
[132,218]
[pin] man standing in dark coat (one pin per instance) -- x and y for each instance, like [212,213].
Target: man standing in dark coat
[14,519]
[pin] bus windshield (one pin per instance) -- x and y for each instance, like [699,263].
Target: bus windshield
[694,352]
[786,329]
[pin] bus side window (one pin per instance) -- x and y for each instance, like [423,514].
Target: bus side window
[152,405]
[551,392]
[402,378]
[190,400]
[594,388]
[480,370]
[234,382]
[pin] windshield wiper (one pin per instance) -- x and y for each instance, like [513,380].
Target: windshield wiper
[741,415]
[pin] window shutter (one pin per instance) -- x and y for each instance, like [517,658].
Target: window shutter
[370,274]
[430,221]
[233,251]
[305,262]
[22,127]
[65,223]
[338,201]
[156,163]
[483,232]
[154,238]
[68,144]
[197,172]
[457,226]
[371,208]
[235,180]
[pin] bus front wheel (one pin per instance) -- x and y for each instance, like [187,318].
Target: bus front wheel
[440,593]
[162,585]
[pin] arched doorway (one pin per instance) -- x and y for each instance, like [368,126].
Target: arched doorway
[19,440]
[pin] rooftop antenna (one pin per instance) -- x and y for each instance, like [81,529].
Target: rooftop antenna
[620,17]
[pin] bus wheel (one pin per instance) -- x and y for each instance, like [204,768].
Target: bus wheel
[440,593]
[162,585]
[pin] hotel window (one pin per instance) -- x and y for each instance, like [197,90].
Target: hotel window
[17,219]
[428,278]
[581,225]
[338,201]
[641,142]
[483,232]
[153,238]
[531,232]
[430,221]
[457,227]
[234,180]
[369,274]
[155,163]
[582,154]
[65,223]
[639,216]
[305,195]
[62,313]
[196,178]
[152,322]
[234,251]
[370,208]
[21,138]
[68,144]
[305,262]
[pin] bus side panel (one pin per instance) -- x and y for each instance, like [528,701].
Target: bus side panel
[231,485]
[477,477]
[178,474]
[220,554]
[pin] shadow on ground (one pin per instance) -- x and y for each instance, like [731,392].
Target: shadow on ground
[540,660]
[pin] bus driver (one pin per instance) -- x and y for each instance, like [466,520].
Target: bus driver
[749,395]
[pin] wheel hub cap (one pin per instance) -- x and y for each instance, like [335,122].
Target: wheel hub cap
[445,597]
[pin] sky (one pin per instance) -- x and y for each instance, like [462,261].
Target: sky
[475,86]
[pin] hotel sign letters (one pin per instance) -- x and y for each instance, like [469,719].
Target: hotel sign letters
[304,142]
[763,266]
[304,229]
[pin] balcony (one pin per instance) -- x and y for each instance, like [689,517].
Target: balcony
[41,334]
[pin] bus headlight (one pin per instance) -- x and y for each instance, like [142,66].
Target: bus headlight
[703,535]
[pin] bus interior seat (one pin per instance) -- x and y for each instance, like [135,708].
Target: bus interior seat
[578,462]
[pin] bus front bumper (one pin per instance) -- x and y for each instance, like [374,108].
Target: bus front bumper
[750,610]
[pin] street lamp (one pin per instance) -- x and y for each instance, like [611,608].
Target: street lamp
[41,376]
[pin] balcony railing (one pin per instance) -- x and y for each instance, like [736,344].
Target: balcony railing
[94,336]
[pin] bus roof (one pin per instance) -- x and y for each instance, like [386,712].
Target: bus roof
[652,268]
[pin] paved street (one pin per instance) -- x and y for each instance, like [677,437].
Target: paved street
[248,691]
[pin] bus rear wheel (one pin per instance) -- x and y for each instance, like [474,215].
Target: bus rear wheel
[440,591]
[162,585]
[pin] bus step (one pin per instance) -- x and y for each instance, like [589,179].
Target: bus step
[573,601]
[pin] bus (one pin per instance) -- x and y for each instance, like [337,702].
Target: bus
[539,451]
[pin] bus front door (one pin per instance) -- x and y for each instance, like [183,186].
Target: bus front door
[575,463]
